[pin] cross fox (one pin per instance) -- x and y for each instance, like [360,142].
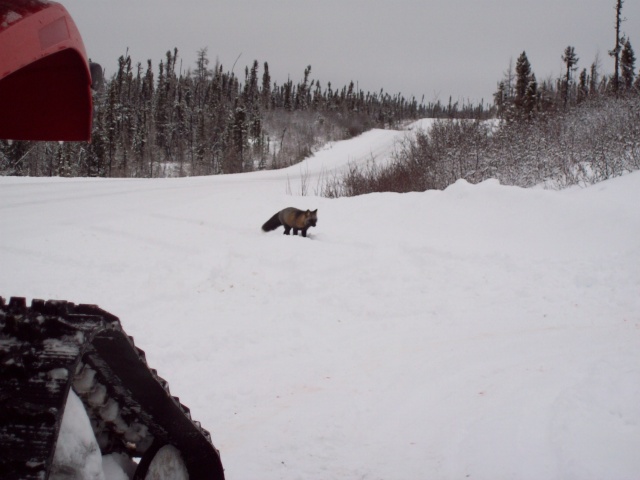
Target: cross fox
[292,218]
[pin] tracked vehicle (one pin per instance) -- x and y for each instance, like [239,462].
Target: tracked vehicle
[52,352]
[48,349]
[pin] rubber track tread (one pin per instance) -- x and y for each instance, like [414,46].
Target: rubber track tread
[42,347]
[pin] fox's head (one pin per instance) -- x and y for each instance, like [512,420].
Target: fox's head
[311,217]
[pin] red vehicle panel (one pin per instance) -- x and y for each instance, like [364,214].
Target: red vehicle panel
[45,82]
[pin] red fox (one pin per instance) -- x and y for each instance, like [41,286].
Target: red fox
[292,218]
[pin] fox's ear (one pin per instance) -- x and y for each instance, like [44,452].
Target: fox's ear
[308,211]
[315,211]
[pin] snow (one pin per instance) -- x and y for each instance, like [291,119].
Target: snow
[168,463]
[77,453]
[483,331]
[118,466]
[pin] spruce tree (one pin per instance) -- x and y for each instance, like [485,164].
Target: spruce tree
[530,96]
[202,72]
[287,94]
[583,88]
[500,98]
[302,101]
[571,60]
[266,87]
[627,64]
[615,53]
[593,77]
[523,77]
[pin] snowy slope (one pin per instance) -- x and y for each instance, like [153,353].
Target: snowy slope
[485,331]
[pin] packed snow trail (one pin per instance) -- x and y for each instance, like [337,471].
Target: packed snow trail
[483,331]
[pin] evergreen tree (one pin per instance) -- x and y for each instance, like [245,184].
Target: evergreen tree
[500,98]
[627,64]
[202,72]
[111,127]
[318,98]
[287,95]
[508,79]
[266,87]
[615,53]
[571,60]
[530,96]
[239,138]
[523,78]
[583,88]
[302,100]
[250,91]
[593,77]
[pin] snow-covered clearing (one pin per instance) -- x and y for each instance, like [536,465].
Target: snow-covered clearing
[484,332]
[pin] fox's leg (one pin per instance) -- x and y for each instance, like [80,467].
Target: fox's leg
[287,229]
[295,231]
[304,232]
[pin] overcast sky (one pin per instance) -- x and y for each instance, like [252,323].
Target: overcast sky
[435,48]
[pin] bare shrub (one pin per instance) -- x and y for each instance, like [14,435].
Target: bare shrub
[596,140]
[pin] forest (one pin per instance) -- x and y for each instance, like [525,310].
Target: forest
[165,122]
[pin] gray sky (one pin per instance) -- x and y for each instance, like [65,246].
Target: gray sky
[434,48]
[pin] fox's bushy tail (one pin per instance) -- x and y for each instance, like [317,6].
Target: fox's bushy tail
[272,223]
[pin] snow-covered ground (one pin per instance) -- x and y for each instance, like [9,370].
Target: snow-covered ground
[484,332]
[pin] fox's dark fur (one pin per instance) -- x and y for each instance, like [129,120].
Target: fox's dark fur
[292,218]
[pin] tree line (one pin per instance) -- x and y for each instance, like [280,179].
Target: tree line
[204,121]
[520,95]
[577,129]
